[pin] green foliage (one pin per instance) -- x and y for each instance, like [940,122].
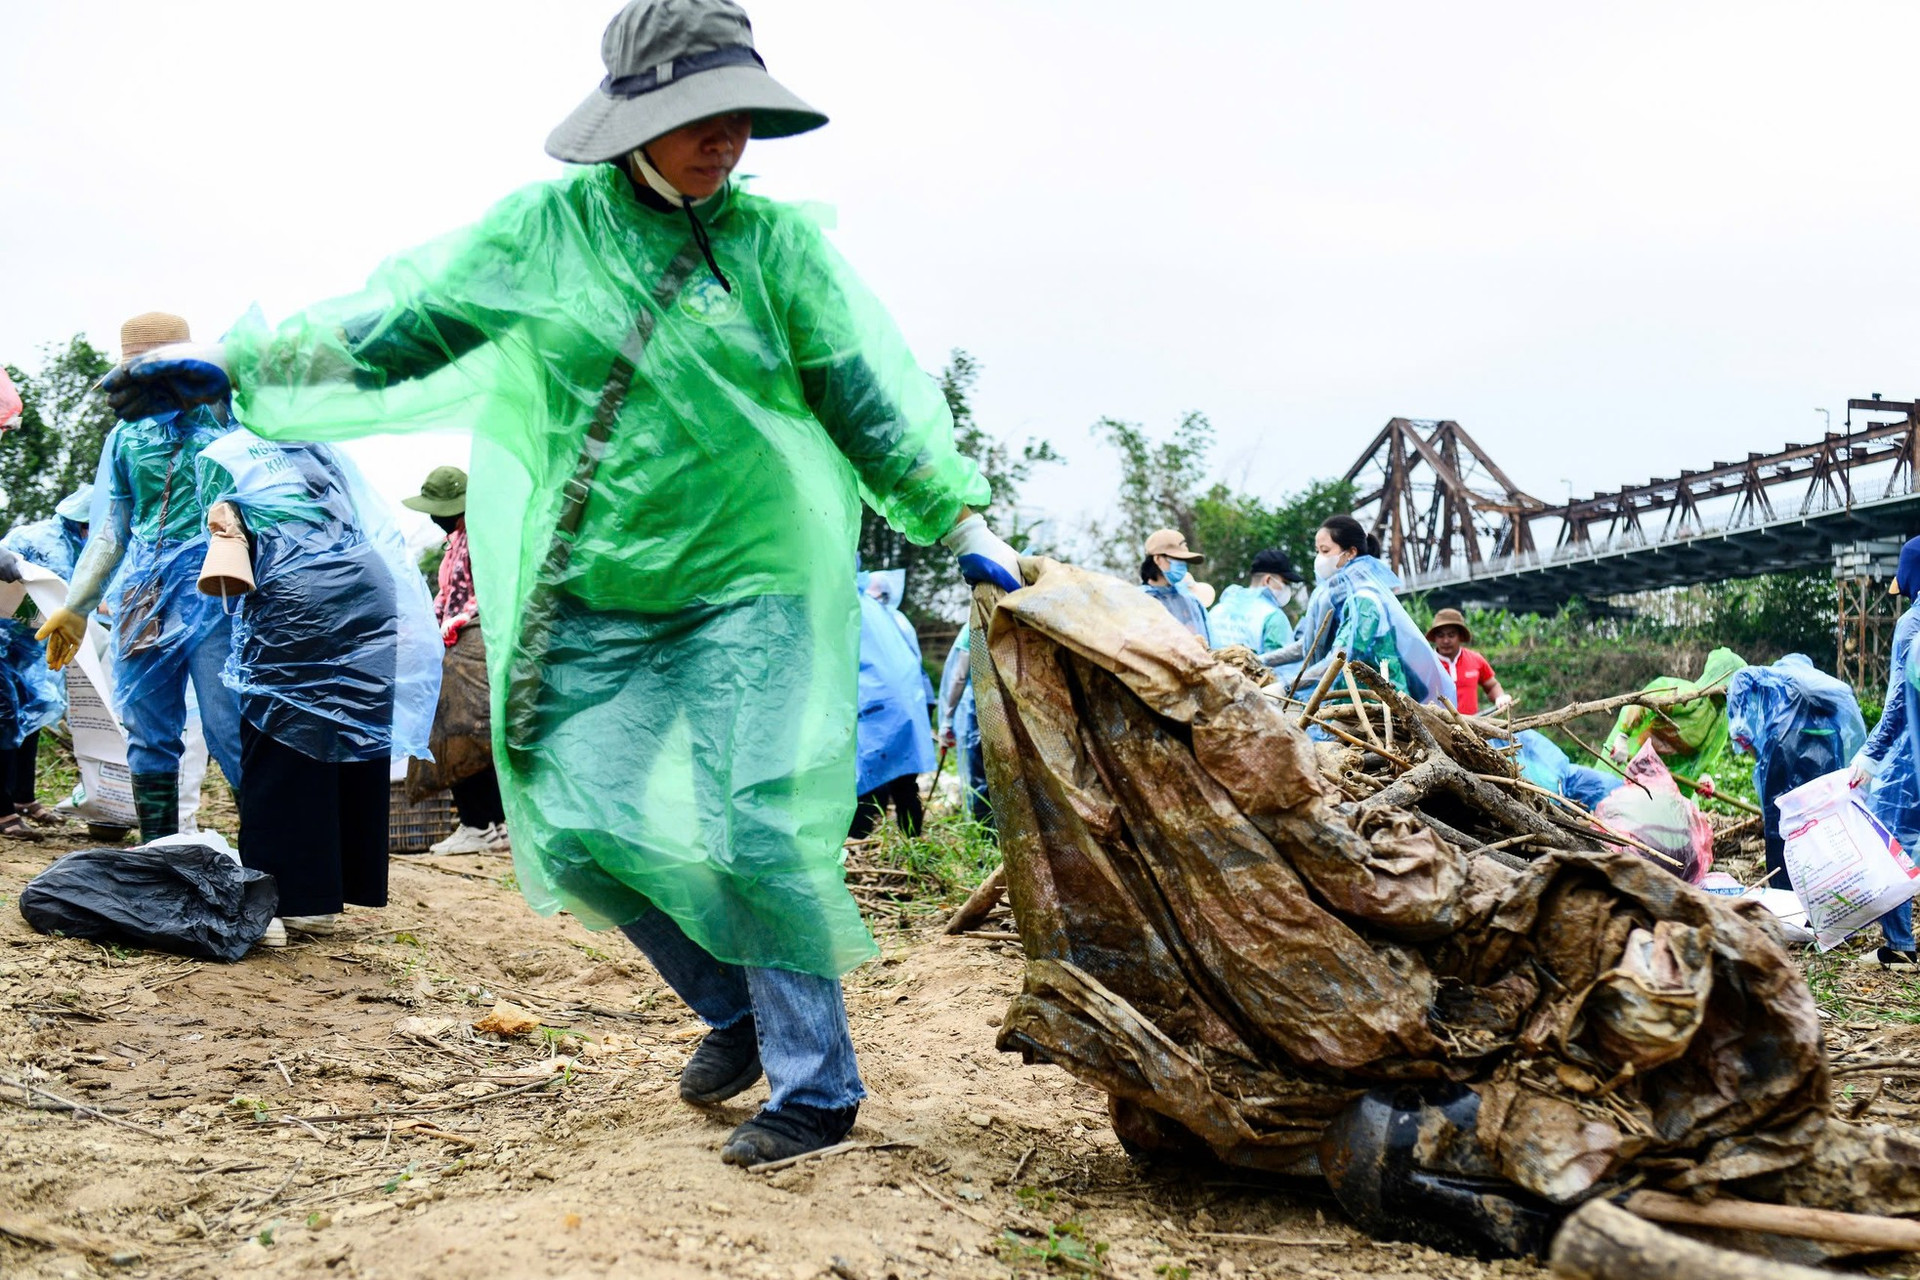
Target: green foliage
[1066,1245]
[1233,527]
[1774,614]
[950,856]
[1159,487]
[430,566]
[930,572]
[63,424]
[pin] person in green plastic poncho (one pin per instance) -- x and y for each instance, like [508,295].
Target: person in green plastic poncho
[679,397]
[1691,737]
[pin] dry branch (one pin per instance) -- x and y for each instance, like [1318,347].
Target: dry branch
[1604,1242]
[980,903]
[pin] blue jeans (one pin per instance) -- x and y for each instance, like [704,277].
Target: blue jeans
[800,1018]
[1897,924]
[155,723]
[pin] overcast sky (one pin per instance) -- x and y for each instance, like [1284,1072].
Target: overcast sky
[1611,240]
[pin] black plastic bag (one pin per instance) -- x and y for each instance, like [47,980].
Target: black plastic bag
[182,898]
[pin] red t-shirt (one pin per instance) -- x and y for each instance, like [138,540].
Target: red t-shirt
[1469,671]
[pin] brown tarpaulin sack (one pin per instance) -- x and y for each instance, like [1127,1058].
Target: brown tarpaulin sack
[462,737]
[1235,953]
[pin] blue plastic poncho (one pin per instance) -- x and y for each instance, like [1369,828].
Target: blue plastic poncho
[1799,723]
[664,503]
[1892,751]
[53,544]
[335,652]
[1249,616]
[957,706]
[1183,605]
[147,517]
[1544,764]
[34,697]
[896,739]
[888,586]
[1370,624]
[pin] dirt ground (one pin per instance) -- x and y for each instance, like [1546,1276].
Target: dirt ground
[330,1110]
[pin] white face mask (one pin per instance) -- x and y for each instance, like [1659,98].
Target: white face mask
[1325,565]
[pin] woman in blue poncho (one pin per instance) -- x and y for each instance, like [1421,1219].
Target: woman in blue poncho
[1890,762]
[1356,591]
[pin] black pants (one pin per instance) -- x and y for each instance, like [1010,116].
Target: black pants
[903,793]
[317,827]
[19,766]
[1789,764]
[477,800]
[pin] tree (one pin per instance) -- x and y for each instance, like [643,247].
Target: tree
[1159,487]
[933,587]
[1233,527]
[63,425]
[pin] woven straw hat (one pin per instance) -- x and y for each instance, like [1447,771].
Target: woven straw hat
[671,63]
[151,329]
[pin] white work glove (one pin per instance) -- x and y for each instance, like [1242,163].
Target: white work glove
[1864,771]
[168,379]
[984,557]
[1502,702]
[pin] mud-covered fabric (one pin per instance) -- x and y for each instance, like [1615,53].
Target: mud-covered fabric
[1215,936]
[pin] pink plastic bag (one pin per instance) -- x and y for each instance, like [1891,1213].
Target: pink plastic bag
[1650,808]
[10,406]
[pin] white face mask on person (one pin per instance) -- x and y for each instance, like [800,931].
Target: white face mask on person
[1325,565]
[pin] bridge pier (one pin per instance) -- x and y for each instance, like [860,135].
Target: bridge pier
[1865,612]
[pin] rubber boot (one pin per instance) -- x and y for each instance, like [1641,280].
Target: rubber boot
[156,801]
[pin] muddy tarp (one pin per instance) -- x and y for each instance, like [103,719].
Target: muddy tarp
[1236,954]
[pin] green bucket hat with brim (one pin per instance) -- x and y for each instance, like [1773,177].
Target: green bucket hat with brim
[443,494]
[670,63]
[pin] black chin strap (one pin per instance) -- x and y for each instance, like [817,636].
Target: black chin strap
[704,243]
[701,240]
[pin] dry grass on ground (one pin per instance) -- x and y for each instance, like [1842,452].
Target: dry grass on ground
[329,1110]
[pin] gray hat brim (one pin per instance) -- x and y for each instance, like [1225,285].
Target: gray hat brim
[605,127]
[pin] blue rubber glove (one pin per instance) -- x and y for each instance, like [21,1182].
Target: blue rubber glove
[168,379]
[983,556]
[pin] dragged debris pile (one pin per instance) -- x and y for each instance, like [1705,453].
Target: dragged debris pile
[1383,958]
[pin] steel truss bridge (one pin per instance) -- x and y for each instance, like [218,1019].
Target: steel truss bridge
[1453,525]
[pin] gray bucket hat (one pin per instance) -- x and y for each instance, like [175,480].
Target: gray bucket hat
[670,63]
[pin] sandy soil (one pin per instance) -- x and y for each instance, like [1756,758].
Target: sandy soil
[237,1131]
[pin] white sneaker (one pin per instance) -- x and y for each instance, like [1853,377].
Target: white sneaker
[275,936]
[497,841]
[464,839]
[318,926]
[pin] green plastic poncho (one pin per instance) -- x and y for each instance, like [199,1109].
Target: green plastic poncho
[1692,737]
[664,499]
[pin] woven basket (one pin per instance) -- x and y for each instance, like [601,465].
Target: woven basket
[412,828]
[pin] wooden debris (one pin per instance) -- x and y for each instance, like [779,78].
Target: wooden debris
[49,1236]
[980,903]
[1866,1230]
[1602,1241]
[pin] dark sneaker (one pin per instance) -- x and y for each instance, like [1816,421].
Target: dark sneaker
[793,1130]
[726,1062]
[1891,959]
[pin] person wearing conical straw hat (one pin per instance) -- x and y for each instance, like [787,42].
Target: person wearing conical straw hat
[147,537]
[679,396]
